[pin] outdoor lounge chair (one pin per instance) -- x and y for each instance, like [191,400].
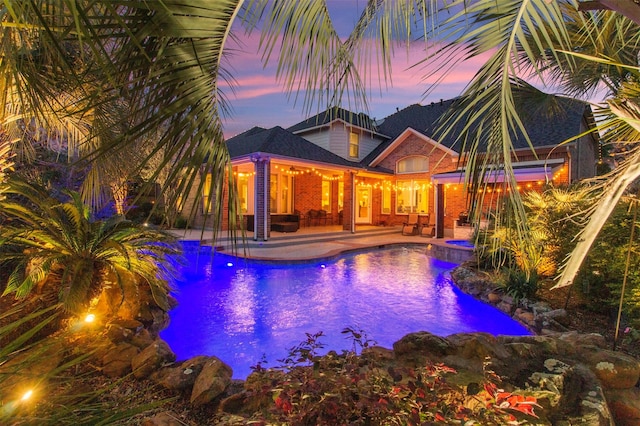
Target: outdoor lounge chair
[428,231]
[410,227]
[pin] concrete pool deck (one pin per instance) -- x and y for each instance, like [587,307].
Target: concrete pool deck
[321,242]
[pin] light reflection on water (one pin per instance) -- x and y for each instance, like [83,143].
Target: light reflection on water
[241,312]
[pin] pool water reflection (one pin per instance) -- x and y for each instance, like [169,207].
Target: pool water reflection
[242,311]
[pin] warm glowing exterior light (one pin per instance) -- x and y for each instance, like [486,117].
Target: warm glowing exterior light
[26,395]
[90,318]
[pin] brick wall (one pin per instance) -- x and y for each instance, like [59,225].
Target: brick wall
[440,161]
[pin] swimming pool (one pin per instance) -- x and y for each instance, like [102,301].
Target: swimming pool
[243,311]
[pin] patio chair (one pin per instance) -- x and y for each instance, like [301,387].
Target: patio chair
[410,227]
[313,215]
[428,231]
[324,218]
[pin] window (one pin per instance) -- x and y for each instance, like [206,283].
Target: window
[246,203]
[354,145]
[340,195]
[279,194]
[412,196]
[207,196]
[326,195]
[414,164]
[386,200]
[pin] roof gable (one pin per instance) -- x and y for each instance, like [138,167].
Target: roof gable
[379,154]
[330,115]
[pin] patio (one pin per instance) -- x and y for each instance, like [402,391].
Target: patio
[308,242]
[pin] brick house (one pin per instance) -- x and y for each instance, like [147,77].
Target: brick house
[358,171]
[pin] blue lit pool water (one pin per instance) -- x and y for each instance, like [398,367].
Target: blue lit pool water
[461,243]
[242,311]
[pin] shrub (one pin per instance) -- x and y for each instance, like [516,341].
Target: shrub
[57,248]
[348,388]
[518,284]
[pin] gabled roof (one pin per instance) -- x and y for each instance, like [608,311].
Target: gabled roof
[545,126]
[422,118]
[278,141]
[325,118]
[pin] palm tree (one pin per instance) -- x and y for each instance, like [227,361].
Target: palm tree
[55,248]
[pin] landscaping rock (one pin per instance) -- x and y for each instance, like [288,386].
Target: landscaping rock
[151,358]
[505,307]
[575,339]
[142,339]
[614,369]
[117,362]
[494,298]
[477,346]
[122,330]
[211,382]
[181,377]
[625,406]
[423,343]
[525,317]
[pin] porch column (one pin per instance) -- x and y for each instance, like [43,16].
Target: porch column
[348,209]
[439,210]
[262,216]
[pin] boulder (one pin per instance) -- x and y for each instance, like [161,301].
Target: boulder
[122,330]
[615,370]
[151,358]
[117,361]
[211,382]
[575,339]
[477,346]
[142,339]
[625,406]
[180,377]
[494,298]
[423,343]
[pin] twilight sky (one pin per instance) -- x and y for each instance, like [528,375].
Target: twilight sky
[258,99]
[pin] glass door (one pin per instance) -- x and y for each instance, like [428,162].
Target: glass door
[363,204]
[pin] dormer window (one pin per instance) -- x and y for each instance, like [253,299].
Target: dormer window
[354,145]
[413,164]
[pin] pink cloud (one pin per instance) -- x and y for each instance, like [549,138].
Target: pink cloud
[259,98]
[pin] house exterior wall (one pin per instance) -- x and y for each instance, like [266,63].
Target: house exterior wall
[439,160]
[336,140]
[579,158]
[321,137]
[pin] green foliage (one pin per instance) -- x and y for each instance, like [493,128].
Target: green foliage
[557,216]
[181,222]
[518,284]
[54,381]
[363,389]
[600,278]
[554,217]
[53,245]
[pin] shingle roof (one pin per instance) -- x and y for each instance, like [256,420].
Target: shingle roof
[279,141]
[361,120]
[545,127]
